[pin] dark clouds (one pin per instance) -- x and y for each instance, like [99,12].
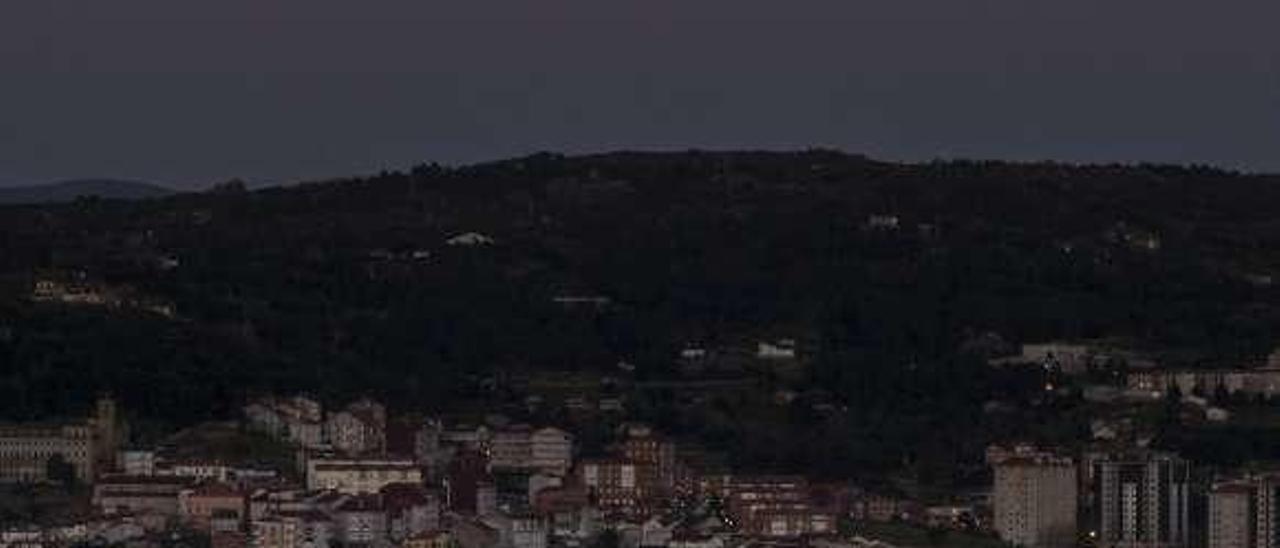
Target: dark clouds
[193,91]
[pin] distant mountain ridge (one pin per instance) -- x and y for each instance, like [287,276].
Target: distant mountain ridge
[66,191]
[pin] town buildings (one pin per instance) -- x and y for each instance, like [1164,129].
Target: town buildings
[195,468]
[1069,358]
[359,520]
[511,448]
[294,529]
[200,505]
[1266,505]
[1143,500]
[1035,499]
[129,494]
[137,462]
[655,458]
[391,517]
[492,486]
[520,530]
[296,419]
[1245,512]
[776,507]
[613,482]
[567,509]
[427,448]
[552,451]
[355,476]
[430,539]
[1253,382]
[359,429]
[879,507]
[27,450]
[411,510]
[1231,515]
[782,349]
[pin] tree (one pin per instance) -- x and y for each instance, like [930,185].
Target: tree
[233,186]
[58,470]
[1221,395]
[1170,412]
[606,539]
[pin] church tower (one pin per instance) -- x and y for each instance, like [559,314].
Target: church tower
[106,430]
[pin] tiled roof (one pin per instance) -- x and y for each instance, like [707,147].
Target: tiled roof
[361,503]
[217,489]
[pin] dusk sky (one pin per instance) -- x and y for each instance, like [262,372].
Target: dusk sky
[189,93]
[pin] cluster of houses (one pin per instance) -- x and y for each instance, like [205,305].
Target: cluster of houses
[77,290]
[364,479]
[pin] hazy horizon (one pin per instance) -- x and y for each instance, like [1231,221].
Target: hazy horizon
[187,95]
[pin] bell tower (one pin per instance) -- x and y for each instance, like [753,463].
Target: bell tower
[106,430]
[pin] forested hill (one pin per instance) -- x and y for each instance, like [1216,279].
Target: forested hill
[353,284]
[67,191]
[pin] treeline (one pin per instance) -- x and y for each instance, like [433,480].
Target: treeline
[881,270]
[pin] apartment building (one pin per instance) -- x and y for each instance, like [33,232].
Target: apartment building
[613,483]
[655,459]
[359,429]
[130,494]
[776,507]
[294,529]
[411,510]
[1245,512]
[136,462]
[511,448]
[552,451]
[520,531]
[88,446]
[1254,382]
[297,419]
[1232,510]
[523,448]
[199,505]
[1143,500]
[354,476]
[1035,499]
[430,539]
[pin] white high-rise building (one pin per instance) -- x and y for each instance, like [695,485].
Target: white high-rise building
[1035,500]
[1231,515]
[1245,513]
[1266,519]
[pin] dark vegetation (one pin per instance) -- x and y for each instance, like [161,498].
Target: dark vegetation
[67,191]
[318,287]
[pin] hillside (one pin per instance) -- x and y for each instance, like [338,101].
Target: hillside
[418,285]
[67,191]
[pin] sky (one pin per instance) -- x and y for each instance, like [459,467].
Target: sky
[193,92]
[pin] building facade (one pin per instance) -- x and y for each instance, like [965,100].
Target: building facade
[356,476]
[1231,515]
[776,507]
[30,451]
[124,494]
[511,448]
[199,505]
[655,458]
[1143,500]
[1035,501]
[1253,382]
[552,451]
[356,432]
[1267,510]
[612,483]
